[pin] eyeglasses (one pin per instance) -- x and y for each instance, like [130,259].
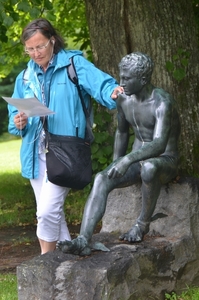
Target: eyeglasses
[38,48]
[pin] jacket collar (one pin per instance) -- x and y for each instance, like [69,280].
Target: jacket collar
[61,59]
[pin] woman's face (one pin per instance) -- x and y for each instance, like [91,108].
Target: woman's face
[40,49]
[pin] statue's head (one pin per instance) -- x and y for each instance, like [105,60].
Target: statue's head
[139,64]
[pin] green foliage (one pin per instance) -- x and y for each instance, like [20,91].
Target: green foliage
[71,21]
[104,132]
[74,205]
[102,147]
[179,64]
[3,115]
[191,293]
[68,17]
[6,89]
[171,296]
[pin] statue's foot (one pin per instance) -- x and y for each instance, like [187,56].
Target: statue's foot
[78,246]
[135,234]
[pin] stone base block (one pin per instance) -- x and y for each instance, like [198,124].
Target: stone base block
[167,260]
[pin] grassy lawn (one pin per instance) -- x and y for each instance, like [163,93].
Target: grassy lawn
[17,202]
[8,287]
[17,207]
[16,196]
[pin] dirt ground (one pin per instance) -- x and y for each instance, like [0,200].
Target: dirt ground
[18,244]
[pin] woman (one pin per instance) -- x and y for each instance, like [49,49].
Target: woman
[46,79]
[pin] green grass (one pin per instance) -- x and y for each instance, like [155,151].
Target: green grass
[17,204]
[8,287]
[188,294]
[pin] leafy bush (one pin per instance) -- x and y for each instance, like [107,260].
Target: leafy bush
[6,89]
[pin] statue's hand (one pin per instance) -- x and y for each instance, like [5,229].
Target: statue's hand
[118,168]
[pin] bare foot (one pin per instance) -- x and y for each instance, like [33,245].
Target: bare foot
[78,246]
[135,234]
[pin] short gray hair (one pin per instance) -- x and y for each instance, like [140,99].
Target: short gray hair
[140,64]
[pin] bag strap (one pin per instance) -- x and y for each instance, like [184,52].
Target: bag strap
[72,74]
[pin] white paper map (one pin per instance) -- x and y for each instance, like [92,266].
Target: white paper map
[30,106]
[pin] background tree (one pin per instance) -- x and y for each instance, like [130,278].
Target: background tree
[166,30]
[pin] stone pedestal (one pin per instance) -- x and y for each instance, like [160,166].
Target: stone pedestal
[179,201]
[167,260]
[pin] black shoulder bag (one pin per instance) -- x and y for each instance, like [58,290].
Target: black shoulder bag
[68,158]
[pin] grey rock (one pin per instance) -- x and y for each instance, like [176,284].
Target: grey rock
[179,201]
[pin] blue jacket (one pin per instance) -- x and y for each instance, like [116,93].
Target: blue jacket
[61,96]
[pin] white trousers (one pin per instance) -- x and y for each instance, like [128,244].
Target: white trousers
[50,198]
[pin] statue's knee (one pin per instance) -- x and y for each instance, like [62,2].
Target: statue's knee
[99,178]
[100,183]
[148,171]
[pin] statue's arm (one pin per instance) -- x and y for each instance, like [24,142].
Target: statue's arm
[121,135]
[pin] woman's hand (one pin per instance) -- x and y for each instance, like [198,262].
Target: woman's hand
[20,120]
[118,90]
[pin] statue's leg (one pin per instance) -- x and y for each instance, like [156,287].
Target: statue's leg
[154,173]
[151,186]
[96,204]
[93,212]
[95,208]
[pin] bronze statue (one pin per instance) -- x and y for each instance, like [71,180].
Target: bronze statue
[152,114]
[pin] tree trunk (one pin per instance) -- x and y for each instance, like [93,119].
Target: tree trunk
[165,30]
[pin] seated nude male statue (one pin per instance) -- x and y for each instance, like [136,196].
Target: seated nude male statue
[152,114]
